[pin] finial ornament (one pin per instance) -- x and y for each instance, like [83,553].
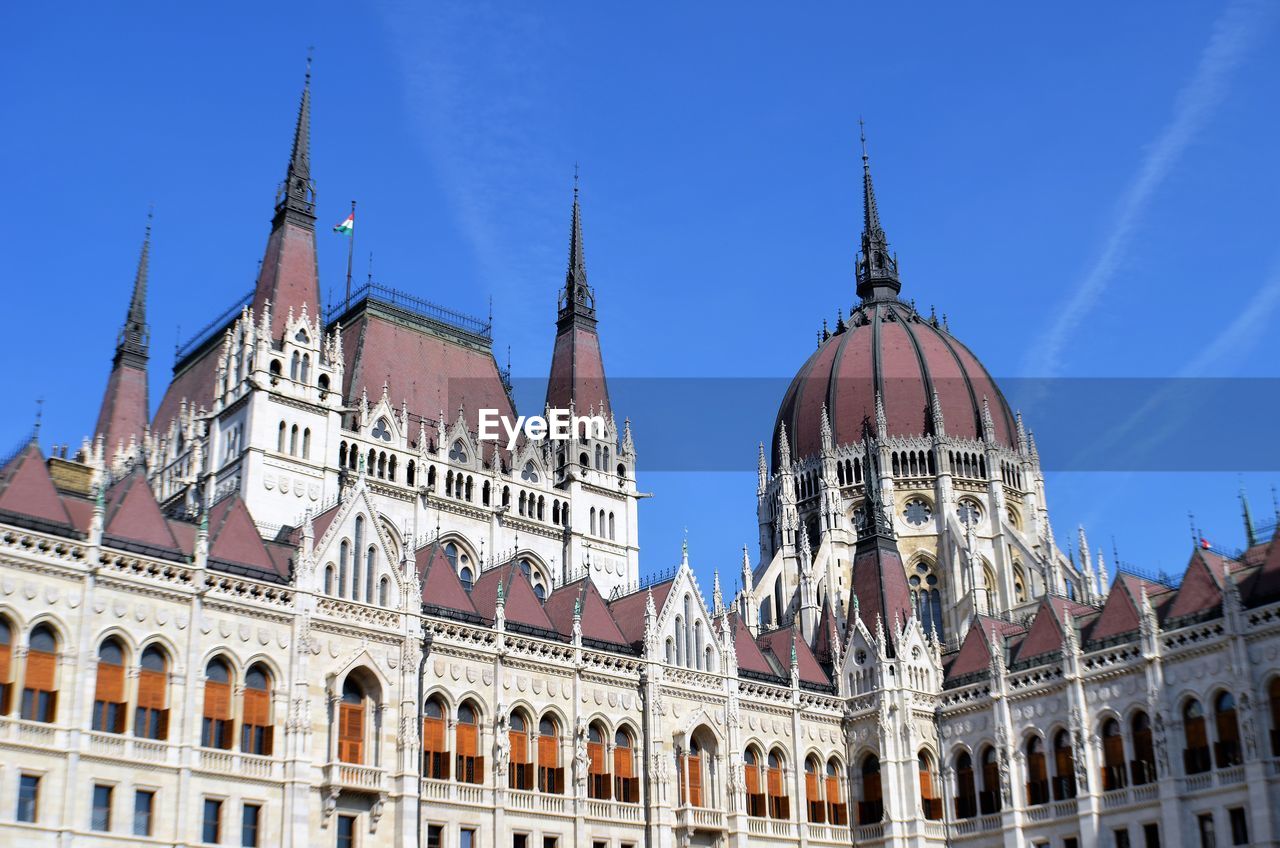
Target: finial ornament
[877,268]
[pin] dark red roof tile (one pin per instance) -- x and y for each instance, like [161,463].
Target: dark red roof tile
[133,515]
[440,584]
[521,605]
[234,539]
[27,489]
[628,611]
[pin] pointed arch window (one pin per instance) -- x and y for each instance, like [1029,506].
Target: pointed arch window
[930,800]
[966,789]
[1143,766]
[625,783]
[294,362]
[817,808]
[384,592]
[256,731]
[280,438]
[871,807]
[6,665]
[470,763]
[691,775]
[989,801]
[1273,702]
[1064,764]
[370,567]
[151,717]
[837,812]
[109,707]
[215,730]
[40,690]
[1195,757]
[293,440]
[435,752]
[550,774]
[776,786]
[1113,770]
[927,598]
[753,770]
[352,722]
[1226,751]
[520,775]
[1037,773]
[599,785]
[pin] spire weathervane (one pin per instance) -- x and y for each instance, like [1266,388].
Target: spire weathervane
[877,268]
[577,301]
[297,195]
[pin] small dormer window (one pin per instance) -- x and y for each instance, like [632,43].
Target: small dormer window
[381,430]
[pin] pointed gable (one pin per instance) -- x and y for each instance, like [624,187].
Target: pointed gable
[781,642]
[1045,634]
[441,587]
[234,542]
[521,604]
[1120,615]
[750,657]
[880,584]
[27,490]
[597,622]
[133,516]
[975,651]
[1201,589]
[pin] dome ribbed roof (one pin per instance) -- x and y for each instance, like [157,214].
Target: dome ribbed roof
[891,350]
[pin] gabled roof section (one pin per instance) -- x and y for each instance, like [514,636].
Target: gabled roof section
[27,490]
[132,515]
[750,657]
[521,604]
[234,542]
[975,651]
[597,621]
[780,643]
[628,611]
[440,584]
[822,639]
[880,584]
[1047,633]
[1201,587]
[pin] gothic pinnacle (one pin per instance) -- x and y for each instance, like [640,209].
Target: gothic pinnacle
[877,269]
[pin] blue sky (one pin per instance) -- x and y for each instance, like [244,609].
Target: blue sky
[1086,190]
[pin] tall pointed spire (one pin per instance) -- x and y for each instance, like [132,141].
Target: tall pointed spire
[577,365]
[877,267]
[878,576]
[124,412]
[288,279]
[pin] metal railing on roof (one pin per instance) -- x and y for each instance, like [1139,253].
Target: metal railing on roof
[1161,577]
[413,304]
[211,329]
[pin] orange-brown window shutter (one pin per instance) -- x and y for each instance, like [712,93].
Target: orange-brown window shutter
[40,670]
[811,787]
[595,758]
[622,762]
[833,790]
[926,784]
[433,735]
[467,740]
[695,781]
[6,660]
[151,686]
[519,747]
[1196,733]
[217,700]
[753,780]
[547,751]
[351,733]
[775,782]
[110,687]
[257,707]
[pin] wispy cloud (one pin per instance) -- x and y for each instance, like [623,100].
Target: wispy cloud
[1234,33]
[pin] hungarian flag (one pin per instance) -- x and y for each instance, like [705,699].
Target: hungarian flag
[1204,543]
[346,226]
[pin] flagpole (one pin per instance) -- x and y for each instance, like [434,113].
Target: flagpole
[351,248]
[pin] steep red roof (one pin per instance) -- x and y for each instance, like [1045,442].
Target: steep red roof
[597,622]
[975,651]
[1046,633]
[132,514]
[880,584]
[750,657]
[80,509]
[430,370]
[780,643]
[185,534]
[1264,588]
[27,489]
[124,412]
[193,382]
[823,639]
[288,276]
[521,604]
[1201,587]
[1120,614]
[628,611]
[234,539]
[577,371]
[440,584]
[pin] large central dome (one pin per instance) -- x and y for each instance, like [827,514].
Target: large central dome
[889,350]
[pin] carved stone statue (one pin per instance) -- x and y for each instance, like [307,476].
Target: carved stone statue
[1246,726]
[1162,750]
[581,759]
[501,745]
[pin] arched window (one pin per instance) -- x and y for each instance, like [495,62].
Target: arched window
[40,691]
[410,473]
[342,454]
[550,774]
[692,775]
[837,813]
[6,665]
[1113,770]
[966,787]
[927,598]
[470,763]
[776,785]
[391,468]
[306,367]
[384,592]
[280,438]
[680,640]
[370,566]
[352,722]
[611,536]
[1195,758]
[930,800]
[294,362]
[696,659]
[435,750]
[328,579]
[355,565]
[467,578]
[256,735]
[1227,749]
[293,440]
[151,717]
[593,521]
[813,790]
[671,651]
[990,800]
[599,784]
[753,768]
[1064,767]
[871,807]
[520,775]
[1037,773]
[1143,767]
[626,786]
[109,707]
[215,731]
[306,443]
